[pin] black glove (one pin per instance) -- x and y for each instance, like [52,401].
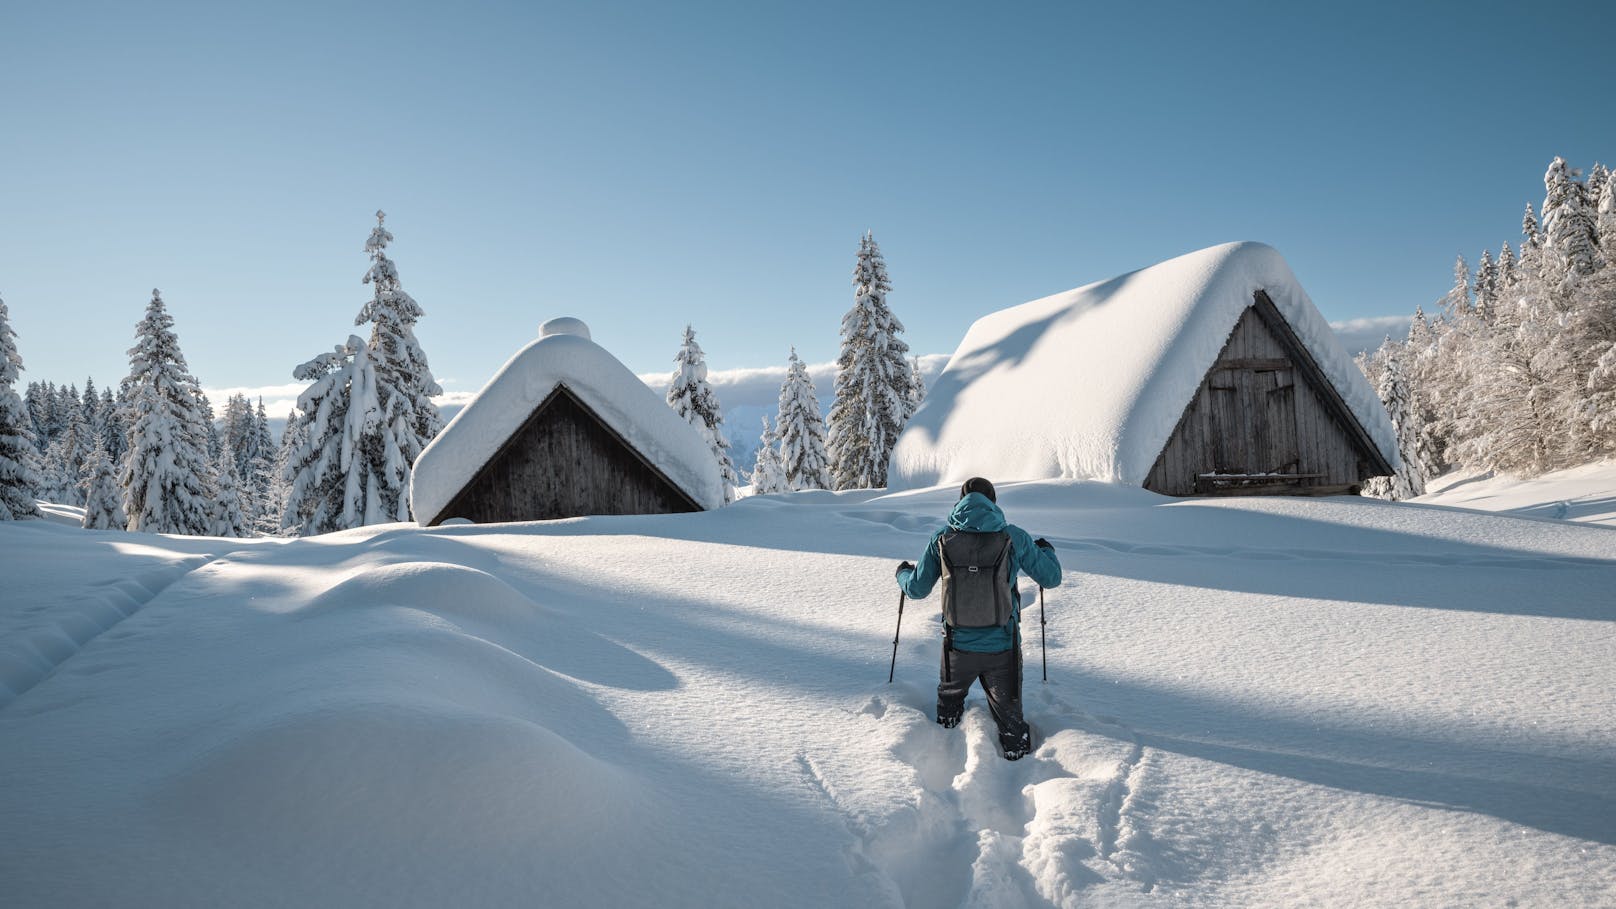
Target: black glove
[1042,543]
[901,567]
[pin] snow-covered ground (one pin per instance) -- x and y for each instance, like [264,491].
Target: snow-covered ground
[1586,493]
[1252,702]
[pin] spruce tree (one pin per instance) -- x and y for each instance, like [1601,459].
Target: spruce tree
[872,379]
[274,517]
[1486,286]
[18,477]
[401,365]
[103,509]
[768,474]
[166,478]
[110,428]
[1570,242]
[1409,480]
[692,398]
[229,520]
[37,401]
[802,430]
[334,482]
[917,387]
[1606,217]
[1457,300]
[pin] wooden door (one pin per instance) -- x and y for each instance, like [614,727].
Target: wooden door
[1254,420]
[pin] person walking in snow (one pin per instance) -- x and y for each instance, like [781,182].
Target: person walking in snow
[978,556]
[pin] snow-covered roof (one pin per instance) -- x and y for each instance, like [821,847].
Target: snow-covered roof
[1091,383]
[564,354]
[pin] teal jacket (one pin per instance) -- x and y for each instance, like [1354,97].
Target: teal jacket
[976,514]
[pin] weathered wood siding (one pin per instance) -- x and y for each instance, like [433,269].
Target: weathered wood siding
[1257,412]
[564,462]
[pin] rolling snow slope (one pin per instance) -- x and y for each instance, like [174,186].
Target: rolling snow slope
[1252,702]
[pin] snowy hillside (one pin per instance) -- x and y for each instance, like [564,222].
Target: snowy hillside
[1252,702]
[1586,494]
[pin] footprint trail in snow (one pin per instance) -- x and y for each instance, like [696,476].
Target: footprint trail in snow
[1036,832]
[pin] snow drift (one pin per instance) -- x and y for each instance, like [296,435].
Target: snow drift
[1090,383]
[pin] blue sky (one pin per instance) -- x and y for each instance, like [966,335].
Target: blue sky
[644,166]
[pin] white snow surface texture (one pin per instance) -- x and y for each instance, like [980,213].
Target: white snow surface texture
[1251,702]
[563,355]
[1090,383]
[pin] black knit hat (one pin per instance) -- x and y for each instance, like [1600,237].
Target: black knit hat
[977,484]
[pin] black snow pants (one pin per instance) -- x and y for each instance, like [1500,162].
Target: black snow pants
[1000,674]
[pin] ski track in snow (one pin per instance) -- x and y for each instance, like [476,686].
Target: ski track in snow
[44,652]
[1037,832]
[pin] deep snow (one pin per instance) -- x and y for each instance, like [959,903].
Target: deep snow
[1251,702]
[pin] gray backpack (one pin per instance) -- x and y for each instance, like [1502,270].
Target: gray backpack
[976,579]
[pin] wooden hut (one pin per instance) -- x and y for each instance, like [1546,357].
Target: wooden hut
[1208,374]
[564,430]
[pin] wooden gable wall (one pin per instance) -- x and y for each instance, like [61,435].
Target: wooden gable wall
[565,462]
[1265,421]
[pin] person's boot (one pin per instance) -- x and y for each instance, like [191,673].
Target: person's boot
[1015,746]
[947,720]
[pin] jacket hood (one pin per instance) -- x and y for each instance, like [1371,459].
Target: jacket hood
[975,514]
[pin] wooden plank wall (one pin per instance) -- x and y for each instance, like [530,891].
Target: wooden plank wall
[1255,413]
[564,462]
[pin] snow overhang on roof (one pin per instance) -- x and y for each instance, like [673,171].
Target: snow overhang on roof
[1091,383]
[564,354]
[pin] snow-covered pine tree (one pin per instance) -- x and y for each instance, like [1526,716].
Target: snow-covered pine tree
[1508,278]
[1570,240]
[768,473]
[18,478]
[74,447]
[1486,286]
[1392,387]
[692,398]
[167,478]
[103,508]
[110,428]
[275,518]
[1598,175]
[36,401]
[872,379]
[1606,219]
[802,430]
[917,386]
[90,405]
[1457,300]
[401,365]
[257,482]
[229,520]
[210,427]
[333,480]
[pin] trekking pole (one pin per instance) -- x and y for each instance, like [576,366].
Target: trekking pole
[894,667]
[1043,636]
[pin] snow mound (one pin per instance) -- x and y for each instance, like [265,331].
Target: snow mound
[1090,383]
[441,588]
[564,355]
